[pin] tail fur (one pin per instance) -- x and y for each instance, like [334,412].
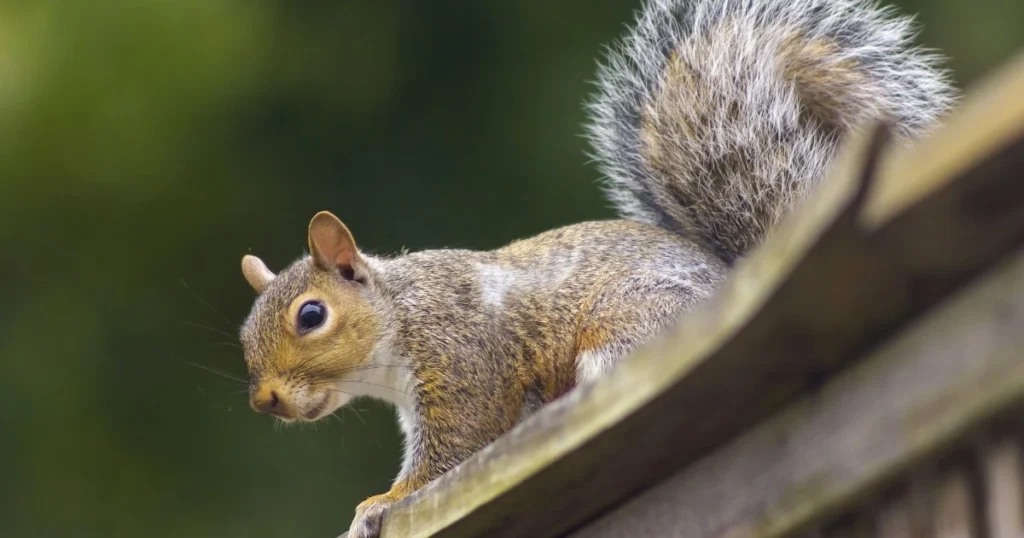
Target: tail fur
[714,117]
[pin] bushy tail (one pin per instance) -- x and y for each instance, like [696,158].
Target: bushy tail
[714,117]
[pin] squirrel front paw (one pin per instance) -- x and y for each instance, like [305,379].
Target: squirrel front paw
[370,516]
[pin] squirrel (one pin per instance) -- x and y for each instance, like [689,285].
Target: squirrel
[711,120]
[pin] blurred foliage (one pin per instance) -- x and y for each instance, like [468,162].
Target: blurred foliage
[146,145]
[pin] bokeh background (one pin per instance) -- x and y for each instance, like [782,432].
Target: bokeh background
[145,145]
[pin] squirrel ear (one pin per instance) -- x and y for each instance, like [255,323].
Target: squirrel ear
[256,273]
[332,245]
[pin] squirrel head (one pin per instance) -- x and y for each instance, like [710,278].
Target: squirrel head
[313,326]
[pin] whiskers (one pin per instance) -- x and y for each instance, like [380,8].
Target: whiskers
[234,379]
[230,340]
[342,409]
[310,371]
[310,376]
[227,333]
[379,385]
[214,330]
[208,305]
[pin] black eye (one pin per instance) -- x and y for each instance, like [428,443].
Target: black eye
[311,315]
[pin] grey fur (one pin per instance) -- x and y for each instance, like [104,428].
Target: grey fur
[775,86]
[713,118]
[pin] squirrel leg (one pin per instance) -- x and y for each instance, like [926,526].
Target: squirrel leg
[626,313]
[465,415]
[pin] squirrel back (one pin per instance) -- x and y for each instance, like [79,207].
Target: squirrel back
[714,117]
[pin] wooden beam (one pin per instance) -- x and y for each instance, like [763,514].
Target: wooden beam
[836,278]
[957,369]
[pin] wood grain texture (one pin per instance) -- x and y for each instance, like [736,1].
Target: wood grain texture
[912,398]
[838,277]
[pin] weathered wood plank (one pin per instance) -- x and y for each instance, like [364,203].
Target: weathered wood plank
[855,527]
[954,508]
[1004,484]
[921,490]
[894,519]
[959,366]
[830,284]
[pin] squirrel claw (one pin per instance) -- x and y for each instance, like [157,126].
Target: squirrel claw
[370,517]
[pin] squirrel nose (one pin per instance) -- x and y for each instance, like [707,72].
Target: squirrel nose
[265,401]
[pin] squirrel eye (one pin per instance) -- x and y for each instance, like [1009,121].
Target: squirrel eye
[311,315]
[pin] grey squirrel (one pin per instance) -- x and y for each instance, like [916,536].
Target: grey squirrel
[712,119]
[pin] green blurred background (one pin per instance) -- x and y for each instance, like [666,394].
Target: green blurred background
[145,145]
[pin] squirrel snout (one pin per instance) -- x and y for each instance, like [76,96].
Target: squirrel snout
[265,401]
